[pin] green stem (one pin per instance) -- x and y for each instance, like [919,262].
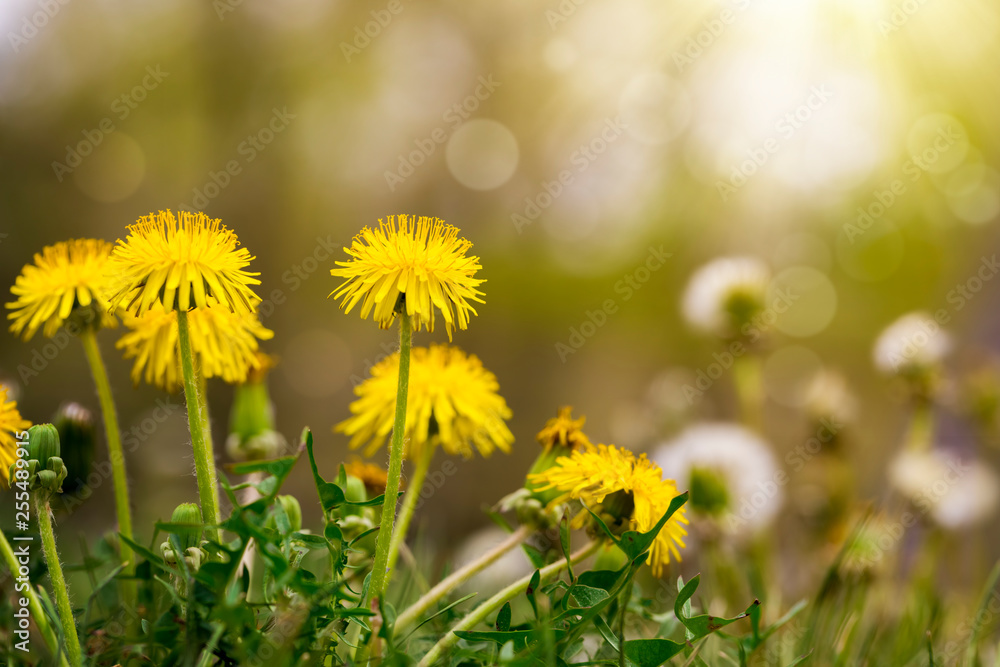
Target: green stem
[34,604]
[479,614]
[921,432]
[749,390]
[415,484]
[201,434]
[56,576]
[115,454]
[380,578]
[415,611]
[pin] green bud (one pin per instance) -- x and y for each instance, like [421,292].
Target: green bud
[355,490]
[546,459]
[46,471]
[43,443]
[260,447]
[610,557]
[188,513]
[77,437]
[293,510]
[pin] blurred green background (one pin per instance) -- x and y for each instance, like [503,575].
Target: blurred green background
[858,139]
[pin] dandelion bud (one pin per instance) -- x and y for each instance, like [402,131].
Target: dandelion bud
[45,468]
[560,437]
[77,437]
[43,443]
[292,510]
[190,514]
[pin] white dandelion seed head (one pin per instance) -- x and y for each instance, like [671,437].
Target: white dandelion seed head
[828,396]
[711,288]
[914,341]
[954,493]
[740,459]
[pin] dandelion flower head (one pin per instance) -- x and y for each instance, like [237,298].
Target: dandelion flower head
[416,263]
[11,423]
[224,343]
[592,475]
[452,401]
[64,277]
[180,262]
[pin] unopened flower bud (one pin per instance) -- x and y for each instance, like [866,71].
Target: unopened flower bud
[77,437]
[190,515]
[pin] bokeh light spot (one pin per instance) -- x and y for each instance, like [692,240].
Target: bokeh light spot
[482,154]
[113,171]
[809,299]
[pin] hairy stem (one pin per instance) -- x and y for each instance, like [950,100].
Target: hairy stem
[201,434]
[44,512]
[415,483]
[113,434]
[34,604]
[380,575]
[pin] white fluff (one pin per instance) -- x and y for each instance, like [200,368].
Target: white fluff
[914,341]
[711,286]
[740,458]
[952,492]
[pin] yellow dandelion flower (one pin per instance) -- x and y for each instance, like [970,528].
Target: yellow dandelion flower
[564,431]
[64,277]
[10,424]
[372,475]
[452,401]
[592,474]
[224,344]
[416,262]
[180,263]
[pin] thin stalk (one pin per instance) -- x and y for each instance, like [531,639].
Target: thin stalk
[415,484]
[749,390]
[201,434]
[44,512]
[479,614]
[380,579]
[34,604]
[921,431]
[115,453]
[415,611]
